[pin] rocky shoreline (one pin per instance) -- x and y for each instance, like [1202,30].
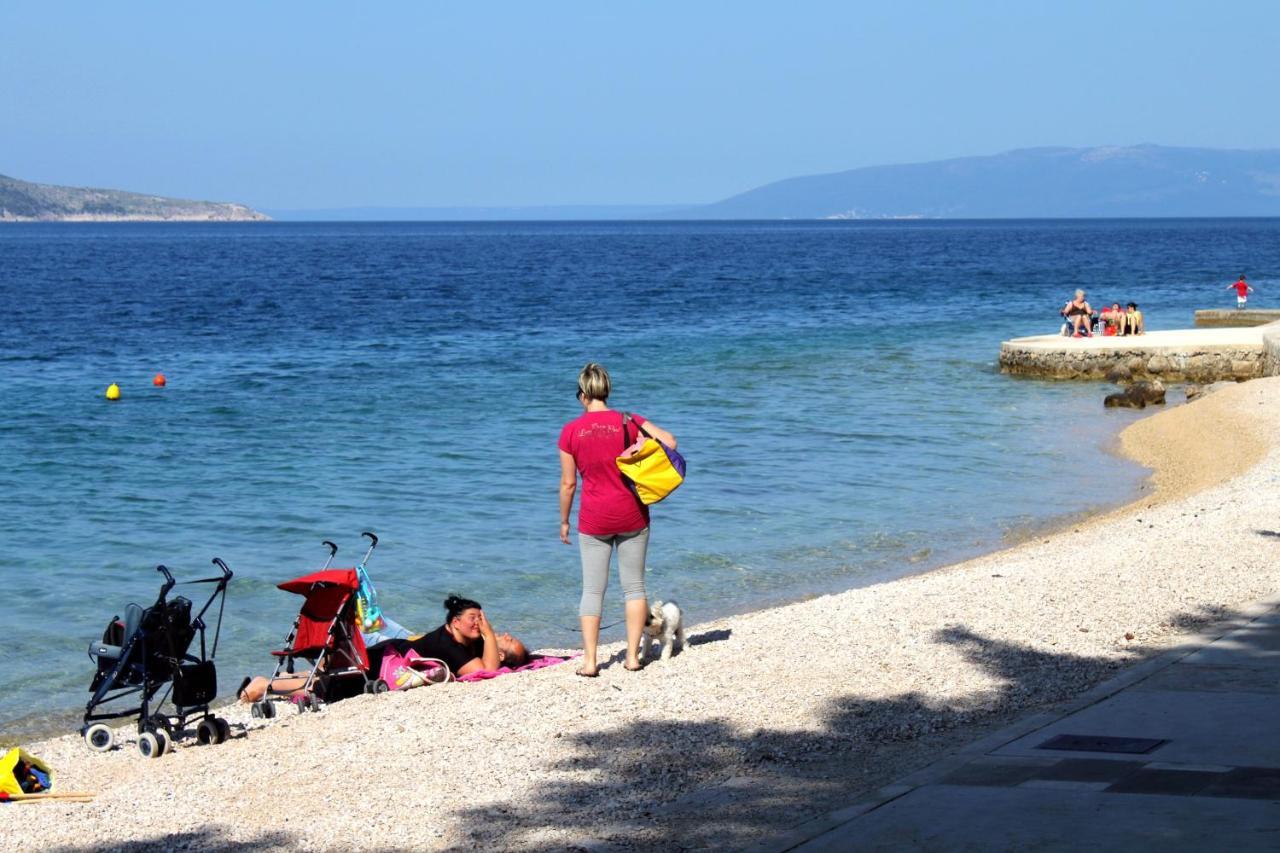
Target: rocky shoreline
[765,719]
[1125,365]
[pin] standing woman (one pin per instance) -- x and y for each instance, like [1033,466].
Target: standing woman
[610,516]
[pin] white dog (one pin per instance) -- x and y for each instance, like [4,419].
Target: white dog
[664,623]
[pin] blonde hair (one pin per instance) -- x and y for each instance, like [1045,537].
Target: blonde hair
[593,382]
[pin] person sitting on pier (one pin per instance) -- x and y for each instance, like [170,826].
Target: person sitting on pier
[1133,323]
[1079,315]
[1112,317]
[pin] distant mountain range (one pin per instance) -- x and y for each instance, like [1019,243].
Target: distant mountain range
[23,201]
[1135,181]
[1108,181]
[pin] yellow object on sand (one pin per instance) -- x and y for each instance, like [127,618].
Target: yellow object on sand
[113,391]
[8,782]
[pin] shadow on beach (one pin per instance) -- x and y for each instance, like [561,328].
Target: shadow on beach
[201,839]
[688,785]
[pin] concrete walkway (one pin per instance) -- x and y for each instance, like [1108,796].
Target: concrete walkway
[1225,317]
[1168,342]
[1177,355]
[1181,752]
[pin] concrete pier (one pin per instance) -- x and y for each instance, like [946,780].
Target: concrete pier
[1184,355]
[1225,318]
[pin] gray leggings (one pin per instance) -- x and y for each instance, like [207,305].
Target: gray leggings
[596,551]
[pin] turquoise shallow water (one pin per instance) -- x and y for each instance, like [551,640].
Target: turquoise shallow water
[833,386]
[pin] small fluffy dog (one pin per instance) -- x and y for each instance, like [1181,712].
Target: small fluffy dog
[665,624]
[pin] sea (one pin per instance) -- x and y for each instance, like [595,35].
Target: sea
[833,386]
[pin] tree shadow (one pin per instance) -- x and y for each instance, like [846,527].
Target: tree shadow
[212,838]
[692,784]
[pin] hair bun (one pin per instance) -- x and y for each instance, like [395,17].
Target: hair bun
[455,604]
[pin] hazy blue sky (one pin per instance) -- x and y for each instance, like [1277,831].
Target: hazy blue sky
[413,104]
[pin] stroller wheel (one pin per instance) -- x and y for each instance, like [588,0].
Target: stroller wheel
[302,704]
[99,737]
[207,732]
[149,746]
[376,686]
[157,723]
[165,739]
[224,729]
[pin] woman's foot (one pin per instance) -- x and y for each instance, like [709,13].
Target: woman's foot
[243,685]
[587,673]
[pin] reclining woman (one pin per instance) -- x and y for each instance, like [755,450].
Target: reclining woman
[466,642]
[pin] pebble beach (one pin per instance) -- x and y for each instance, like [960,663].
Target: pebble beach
[765,719]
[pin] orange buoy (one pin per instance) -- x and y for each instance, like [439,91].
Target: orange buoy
[158,381]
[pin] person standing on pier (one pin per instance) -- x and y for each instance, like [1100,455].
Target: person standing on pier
[1243,290]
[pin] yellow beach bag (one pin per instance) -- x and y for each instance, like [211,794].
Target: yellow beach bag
[23,773]
[652,471]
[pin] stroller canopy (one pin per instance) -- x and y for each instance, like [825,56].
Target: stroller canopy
[341,578]
[327,613]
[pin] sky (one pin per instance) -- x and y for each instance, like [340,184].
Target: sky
[293,105]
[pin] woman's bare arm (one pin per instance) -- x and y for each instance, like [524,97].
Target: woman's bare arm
[568,486]
[661,434]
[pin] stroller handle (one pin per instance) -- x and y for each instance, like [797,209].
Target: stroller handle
[333,550]
[226,572]
[168,578]
[373,543]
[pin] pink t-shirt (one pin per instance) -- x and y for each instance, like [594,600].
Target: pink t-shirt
[606,507]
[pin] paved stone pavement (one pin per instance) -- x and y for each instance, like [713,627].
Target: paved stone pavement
[1181,752]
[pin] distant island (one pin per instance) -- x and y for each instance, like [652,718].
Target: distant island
[23,201]
[1108,181]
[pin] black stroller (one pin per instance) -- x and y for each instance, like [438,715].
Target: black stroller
[142,653]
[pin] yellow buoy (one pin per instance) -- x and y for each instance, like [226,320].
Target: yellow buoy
[113,391]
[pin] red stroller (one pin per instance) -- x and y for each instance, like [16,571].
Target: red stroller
[326,634]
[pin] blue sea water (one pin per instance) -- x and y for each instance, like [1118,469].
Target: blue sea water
[833,386]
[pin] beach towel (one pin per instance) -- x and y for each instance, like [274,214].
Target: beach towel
[535,662]
[410,669]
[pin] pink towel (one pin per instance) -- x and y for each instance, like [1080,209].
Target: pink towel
[535,662]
